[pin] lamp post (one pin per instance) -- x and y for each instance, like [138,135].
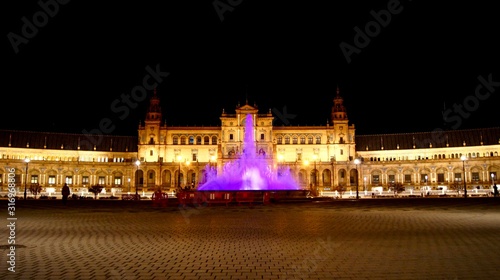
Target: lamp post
[464,158]
[187,163]
[357,162]
[364,184]
[425,187]
[212,162]
[27,160]
[161,177]
[280,165]
[305,163]
[212,172]
[315,157]
[179,158]
[137,162]
[495,189]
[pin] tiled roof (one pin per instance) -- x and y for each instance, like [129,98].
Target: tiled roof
[438,139]
[54,140]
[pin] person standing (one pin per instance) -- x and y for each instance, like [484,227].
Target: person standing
[65,193]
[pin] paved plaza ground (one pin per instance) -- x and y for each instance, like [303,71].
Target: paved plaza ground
[414,238]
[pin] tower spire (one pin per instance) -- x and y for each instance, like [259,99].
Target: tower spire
[154,109]
[339,112]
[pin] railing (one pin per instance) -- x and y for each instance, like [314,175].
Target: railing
[431,193]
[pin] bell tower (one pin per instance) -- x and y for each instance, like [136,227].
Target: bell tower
[339,113]
[153,115]
[343,135]
[150,135]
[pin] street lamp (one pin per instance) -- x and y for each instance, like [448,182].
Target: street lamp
[187,175]
[364,184]
[212,172]
[315,157]
[357,162]
[306,164]
[212,162]
[425,187]
[179,158]
[495,189]
[280,165]
[137,162]
[27,160]
[464,158]
[161,177]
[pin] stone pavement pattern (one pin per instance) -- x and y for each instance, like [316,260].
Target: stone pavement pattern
[387,239]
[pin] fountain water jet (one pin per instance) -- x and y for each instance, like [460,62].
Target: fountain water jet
[249,172]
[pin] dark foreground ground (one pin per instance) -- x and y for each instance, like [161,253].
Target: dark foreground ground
[441,238]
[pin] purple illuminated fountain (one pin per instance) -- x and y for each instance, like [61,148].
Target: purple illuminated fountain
[249,172]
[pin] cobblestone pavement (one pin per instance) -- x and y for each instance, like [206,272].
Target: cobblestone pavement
[340,239]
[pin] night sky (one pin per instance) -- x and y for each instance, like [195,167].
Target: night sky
[401,66]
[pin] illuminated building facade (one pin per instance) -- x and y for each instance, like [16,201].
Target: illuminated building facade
[321,158]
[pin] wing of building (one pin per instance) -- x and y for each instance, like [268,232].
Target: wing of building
[322,158]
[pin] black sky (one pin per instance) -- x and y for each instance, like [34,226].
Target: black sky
[279,55]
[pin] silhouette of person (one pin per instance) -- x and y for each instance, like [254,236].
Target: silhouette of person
[495,190]
[65,193]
